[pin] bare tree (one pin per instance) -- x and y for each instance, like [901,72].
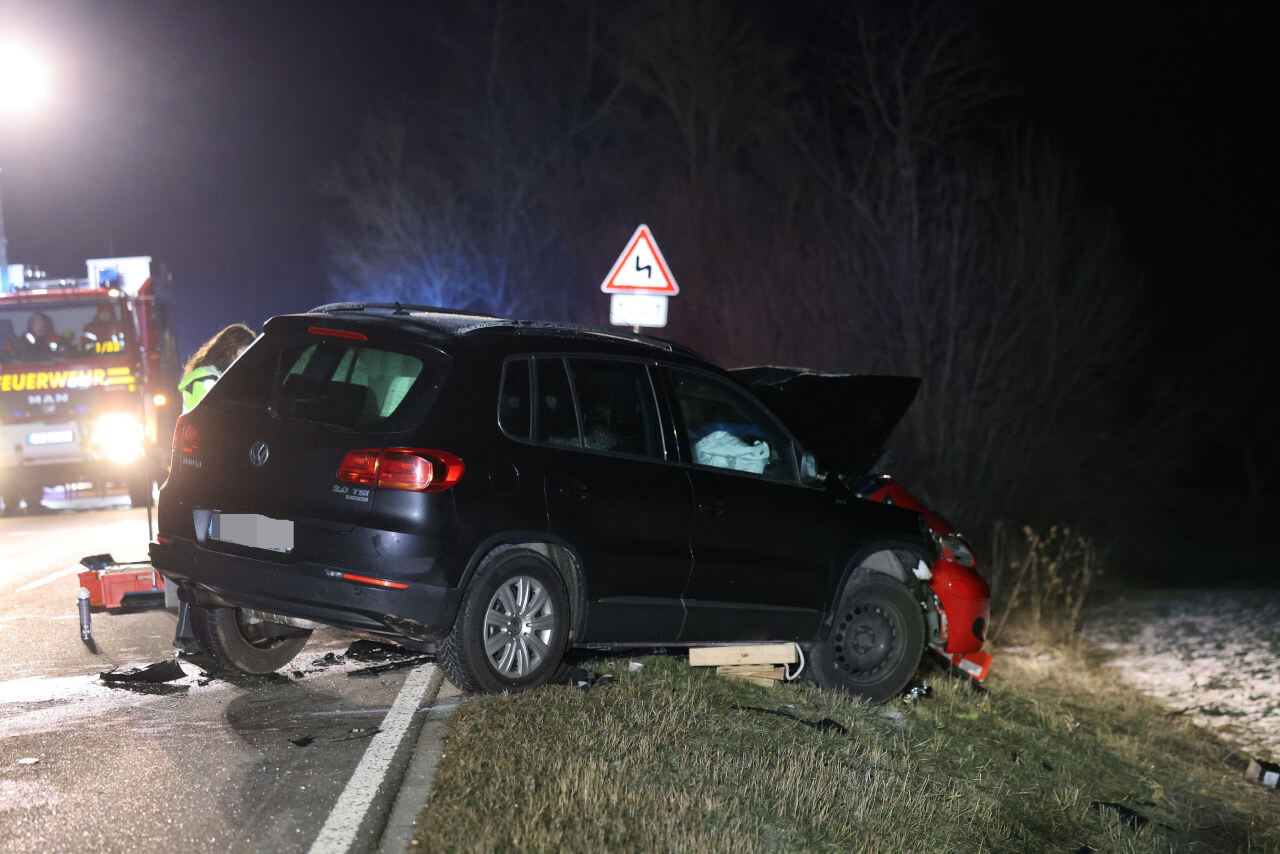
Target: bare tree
[465,200]
[971,259]
[712,73]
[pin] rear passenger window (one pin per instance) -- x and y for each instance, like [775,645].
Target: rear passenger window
[513,402]
[557,420]
[619,412]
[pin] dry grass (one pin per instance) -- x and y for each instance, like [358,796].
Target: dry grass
[667,760]
[1040,581]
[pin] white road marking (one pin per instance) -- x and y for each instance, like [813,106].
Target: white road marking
[339,831]
[41,582]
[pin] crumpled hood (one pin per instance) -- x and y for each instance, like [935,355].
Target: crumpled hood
[842,419]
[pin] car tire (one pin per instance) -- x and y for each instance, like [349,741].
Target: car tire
[512,626]
[235,644]
[875,642]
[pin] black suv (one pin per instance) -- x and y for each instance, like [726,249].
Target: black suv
[499,491]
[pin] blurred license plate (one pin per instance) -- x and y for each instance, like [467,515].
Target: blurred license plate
[250,529]
[50,437]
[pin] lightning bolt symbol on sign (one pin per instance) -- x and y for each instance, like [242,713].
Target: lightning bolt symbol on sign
[647,268]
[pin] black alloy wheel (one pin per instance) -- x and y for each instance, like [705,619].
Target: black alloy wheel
[875,641]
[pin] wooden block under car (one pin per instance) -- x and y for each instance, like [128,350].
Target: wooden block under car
[1266,773]
[751,674]
[757,653]
[764,671]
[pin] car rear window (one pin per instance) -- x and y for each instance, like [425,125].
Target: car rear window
[336,383]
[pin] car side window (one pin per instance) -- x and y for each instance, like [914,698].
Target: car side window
[618,406]
[514,398]
[727,429]
[556,417]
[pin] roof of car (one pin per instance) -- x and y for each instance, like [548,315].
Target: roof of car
[451,323]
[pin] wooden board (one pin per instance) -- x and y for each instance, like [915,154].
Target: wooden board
[766,671]
[756,680]
[759,653]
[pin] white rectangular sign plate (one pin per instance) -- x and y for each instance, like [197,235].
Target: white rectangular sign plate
[638,310]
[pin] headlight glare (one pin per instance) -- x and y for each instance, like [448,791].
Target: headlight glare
[118,437]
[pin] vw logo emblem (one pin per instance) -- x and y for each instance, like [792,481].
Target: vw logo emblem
[258,453]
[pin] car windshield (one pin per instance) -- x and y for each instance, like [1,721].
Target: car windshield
[42,332]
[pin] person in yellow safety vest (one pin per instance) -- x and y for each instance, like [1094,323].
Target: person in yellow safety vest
[206,366]
[198,376]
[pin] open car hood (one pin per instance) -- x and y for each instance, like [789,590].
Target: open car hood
[842,419]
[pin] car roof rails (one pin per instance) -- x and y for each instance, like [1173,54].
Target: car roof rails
[467,322]
[575,330]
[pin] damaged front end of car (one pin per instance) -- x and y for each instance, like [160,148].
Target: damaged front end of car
[844,420]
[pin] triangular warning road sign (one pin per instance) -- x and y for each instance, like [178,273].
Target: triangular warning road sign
[641,268]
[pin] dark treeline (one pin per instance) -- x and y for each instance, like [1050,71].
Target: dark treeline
[847,188]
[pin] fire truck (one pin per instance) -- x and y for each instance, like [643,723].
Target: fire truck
[88,370]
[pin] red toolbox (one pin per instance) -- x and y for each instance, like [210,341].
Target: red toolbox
[120,585]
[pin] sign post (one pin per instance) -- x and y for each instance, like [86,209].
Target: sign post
[640,284]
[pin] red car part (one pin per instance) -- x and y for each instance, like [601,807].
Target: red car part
[963,597]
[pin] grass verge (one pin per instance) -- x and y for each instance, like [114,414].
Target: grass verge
[670,758]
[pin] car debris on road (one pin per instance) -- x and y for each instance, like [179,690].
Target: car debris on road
[168,670]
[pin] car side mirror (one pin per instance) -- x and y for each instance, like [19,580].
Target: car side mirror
[809,470]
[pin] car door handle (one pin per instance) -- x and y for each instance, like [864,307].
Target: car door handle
[576,491]
[713,508]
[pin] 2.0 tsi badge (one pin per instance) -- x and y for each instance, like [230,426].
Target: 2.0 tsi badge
[258,453]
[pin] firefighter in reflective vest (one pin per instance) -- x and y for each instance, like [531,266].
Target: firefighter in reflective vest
[206,366]
[198,376]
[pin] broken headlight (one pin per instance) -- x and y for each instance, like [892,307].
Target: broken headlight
[955,549]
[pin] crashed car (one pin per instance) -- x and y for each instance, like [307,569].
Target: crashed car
[500,491]
[819,407]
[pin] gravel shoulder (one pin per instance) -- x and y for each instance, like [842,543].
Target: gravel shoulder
[1211,655]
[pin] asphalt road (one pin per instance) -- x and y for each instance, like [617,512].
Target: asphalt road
[199,764]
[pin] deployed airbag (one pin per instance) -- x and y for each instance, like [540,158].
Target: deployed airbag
[724,450]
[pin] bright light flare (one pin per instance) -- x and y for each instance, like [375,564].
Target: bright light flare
[24,78]
[118,437]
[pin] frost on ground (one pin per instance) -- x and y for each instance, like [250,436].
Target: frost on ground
[1212,655]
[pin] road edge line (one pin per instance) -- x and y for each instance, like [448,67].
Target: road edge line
[348,814]
[415,791]
[50,578]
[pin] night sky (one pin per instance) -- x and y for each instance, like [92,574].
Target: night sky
[196,133]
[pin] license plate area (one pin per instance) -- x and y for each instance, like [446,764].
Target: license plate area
[253,530]
[51,437]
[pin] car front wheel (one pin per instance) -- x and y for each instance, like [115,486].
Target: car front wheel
[512,626]
[875,641]
[237,642]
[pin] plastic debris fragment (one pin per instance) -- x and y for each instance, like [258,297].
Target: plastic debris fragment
[162,671]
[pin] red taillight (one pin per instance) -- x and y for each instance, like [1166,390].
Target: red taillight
[186,438]
[404,470]
[337,333]
[415,469]
[360,467]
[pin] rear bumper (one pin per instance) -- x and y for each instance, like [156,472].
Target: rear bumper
[966,605]
[303,590]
